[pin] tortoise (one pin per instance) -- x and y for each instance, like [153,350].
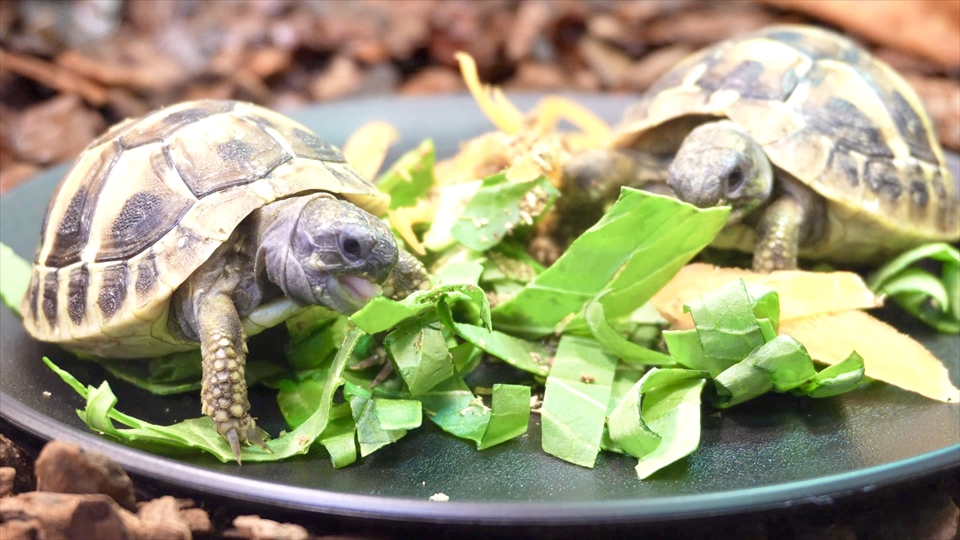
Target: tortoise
[820,149]
[196,226]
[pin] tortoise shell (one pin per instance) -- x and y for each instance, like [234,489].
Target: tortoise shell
[827,113]
[149,201]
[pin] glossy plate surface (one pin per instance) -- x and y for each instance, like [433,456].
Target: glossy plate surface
[774,451]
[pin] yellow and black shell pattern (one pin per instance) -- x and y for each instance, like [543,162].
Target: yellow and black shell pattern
[149,201]
[828,113]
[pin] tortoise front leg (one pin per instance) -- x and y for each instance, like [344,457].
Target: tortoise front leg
[224,391]
[778,235]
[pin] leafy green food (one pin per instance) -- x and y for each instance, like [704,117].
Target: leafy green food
[726,325]
[575,400]
[399,413]
[453,407]
[520,353]
[781,364]
[411,177]
[382,314]
[199,433]
[639,244]
[420,354]
[628,427]
[836,379]
[743,353]
[498,207]
[932,299]
[14,279]
[673,412]
[614,342]
[339,438]
[371,435]
[510,415]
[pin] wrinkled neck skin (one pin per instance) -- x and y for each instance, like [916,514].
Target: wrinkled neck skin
[719,164]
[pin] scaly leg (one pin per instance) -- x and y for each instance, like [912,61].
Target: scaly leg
[778,236]
[224,392]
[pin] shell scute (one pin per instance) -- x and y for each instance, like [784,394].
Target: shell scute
[235,152]
[142,211]
[113,289]
[161,124]
[72,216]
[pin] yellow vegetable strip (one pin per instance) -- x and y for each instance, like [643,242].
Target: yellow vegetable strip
[403,220]
[501,112]
[552,109]
[888,355]
[801,293]
[367,147]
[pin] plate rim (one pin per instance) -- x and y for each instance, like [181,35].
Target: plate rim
[169,471]
[816,491]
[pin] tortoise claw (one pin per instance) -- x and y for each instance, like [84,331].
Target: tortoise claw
[234,441]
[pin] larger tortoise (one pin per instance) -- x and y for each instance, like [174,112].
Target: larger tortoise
[821,149]
[197,225]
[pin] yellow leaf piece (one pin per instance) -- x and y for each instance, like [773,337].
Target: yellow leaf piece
[801,293]
[552,109]
[403,220]
[366,148]
[888,355]
[501,112]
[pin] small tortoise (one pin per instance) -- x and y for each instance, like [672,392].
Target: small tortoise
[820,149]
[200,224]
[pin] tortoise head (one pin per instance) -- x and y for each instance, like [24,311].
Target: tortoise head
[328,252]
[720,164]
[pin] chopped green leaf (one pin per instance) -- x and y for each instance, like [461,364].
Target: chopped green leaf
[627,426]
[340,436]
[510,416]
[398,413]
[411,177]
[199,433]
[685,348]
[15,278]
[305,324]
[673,412]
[781,364]
[836,379]
[382,313]
[575,400]
[299,399]
[933,300]
[420,353]
[519,353]
[497,208]
[453,407]
[370,434]
[614,342]
[726,325]
[637,247]
[314,350]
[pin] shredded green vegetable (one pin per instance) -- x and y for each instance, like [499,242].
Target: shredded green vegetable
[581,327]
[933,299]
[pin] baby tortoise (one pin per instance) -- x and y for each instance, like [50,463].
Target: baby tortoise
[199,225]
[821,150]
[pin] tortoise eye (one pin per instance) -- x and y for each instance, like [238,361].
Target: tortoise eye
[734,181]
[351,247]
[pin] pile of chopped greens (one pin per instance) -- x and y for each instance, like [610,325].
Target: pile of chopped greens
[581,328]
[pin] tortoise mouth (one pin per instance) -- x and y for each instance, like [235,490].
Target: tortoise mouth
[350,293]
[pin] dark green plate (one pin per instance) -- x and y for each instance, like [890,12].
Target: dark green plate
[775,451]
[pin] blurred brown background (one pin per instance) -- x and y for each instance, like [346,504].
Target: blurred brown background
[70,69]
